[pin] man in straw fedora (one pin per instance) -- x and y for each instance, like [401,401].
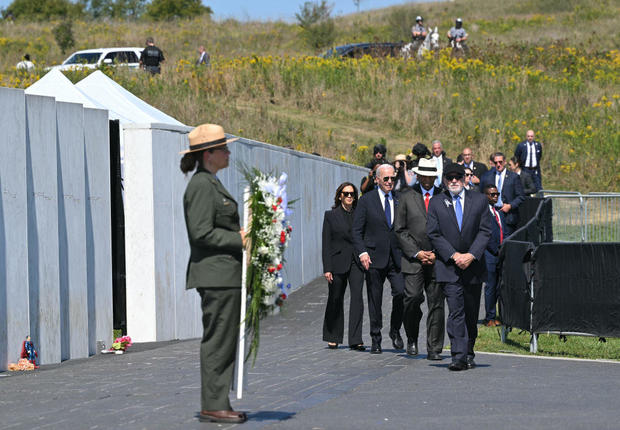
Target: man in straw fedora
[216,241]
[418,262]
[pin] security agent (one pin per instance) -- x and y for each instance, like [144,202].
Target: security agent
[151,57]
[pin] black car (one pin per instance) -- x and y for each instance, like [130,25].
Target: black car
[358,50]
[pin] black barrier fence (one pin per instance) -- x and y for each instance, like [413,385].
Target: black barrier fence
[569,288]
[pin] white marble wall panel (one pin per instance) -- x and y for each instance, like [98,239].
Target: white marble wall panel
[14,306]
[140,235]
[72,230]
[41,174]
[98,227]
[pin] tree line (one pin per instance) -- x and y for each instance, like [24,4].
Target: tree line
[40,10]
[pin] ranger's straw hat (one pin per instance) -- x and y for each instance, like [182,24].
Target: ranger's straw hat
[207,136]
[426,167]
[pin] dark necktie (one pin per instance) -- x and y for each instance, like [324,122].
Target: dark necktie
[388,210]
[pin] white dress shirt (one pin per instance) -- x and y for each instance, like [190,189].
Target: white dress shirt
[391,200]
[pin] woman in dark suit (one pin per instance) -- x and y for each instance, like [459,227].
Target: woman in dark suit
[341,265]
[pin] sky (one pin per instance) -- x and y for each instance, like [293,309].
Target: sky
[285,9]
[277,9]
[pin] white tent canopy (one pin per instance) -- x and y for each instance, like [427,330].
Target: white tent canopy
[55,84]
[127,107]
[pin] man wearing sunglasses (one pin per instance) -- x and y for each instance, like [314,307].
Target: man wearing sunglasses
[490,256]
[376,245]
[510,190]
[459,228]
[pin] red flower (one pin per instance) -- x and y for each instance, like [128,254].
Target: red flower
[289,228]
[274,207]
[271,269]
[274,221]
[282,236]
[283,296]
[279,200]
[279,266]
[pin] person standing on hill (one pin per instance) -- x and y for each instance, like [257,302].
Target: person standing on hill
[203,57]
[25,64]
[529,154]
[151,57]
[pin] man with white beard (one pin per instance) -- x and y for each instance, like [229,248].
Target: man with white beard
[459,228]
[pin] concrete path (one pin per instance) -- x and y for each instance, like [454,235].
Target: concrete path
[297,383]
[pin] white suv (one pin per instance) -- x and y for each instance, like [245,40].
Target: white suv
[93,58]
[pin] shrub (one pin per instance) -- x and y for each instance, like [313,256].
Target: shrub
[168,9]
[43,10]
[318,27]
[63,33]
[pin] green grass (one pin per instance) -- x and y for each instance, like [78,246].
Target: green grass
[548,345]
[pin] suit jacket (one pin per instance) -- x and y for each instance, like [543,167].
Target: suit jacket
[521,153]
[494,242]
[444,234]
[371,233]
[212,222]
[410,227]
[478,169]
[338,253]
[512,192]
[527,182]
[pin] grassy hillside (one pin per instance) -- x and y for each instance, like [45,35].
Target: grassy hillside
[542,64]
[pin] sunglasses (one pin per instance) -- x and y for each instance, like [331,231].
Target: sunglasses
[389,178]
[348,193]
[469,174]
[493,194]
[499,162]
[453,177]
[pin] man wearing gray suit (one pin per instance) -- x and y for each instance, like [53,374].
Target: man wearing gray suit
[459,227]
[418,263]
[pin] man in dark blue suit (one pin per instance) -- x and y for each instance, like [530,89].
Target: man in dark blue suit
[376,245]
[490,256]
[529,153]
[459,228]
[510,189]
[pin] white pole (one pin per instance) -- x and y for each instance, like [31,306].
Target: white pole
[244,294]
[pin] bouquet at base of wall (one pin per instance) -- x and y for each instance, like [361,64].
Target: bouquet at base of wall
[119,346]
[22,364]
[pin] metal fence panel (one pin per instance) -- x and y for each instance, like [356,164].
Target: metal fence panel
[593,217]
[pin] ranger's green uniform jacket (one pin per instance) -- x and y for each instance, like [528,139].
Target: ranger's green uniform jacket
[212,222]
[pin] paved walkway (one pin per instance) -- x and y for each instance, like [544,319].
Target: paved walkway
[297,383]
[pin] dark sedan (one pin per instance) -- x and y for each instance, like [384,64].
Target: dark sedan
[358,50]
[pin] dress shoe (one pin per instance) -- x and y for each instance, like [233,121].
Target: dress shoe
[471,363]
[433,356]
[222,416]
[457,366]
[397,341]
[358,347]
[375,348]
[412,347]
[498,323]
